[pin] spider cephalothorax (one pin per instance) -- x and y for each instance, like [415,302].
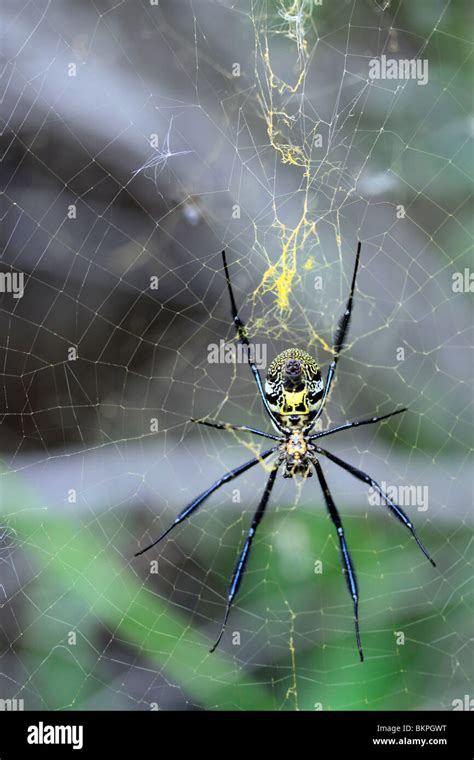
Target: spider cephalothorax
[294,388]
[294,396]
[297,454]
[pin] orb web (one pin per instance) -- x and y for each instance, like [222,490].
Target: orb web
[138,140]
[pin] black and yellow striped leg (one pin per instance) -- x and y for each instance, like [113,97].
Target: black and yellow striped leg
[340,336]
[242,333]
[245,553]
[394,508]
[243,428]
[347,567]
[355,423]
[190,508]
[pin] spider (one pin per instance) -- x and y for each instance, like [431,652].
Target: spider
[294,396]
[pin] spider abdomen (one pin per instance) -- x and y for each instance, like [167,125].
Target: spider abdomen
[294,387]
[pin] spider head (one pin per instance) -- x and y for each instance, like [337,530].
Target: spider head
[293,371]
[294,387]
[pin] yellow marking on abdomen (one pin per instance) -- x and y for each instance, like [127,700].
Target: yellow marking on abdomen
[292,399]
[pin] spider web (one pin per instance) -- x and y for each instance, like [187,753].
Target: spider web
[138,139]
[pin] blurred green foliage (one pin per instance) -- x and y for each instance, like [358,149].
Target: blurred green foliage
[82,583]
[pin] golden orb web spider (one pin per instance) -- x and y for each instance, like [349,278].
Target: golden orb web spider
[294,396]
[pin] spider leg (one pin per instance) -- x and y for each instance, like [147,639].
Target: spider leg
[356,423]
[245,553]
[244,428]
[396,510]
[347,567]
[189,509]
[242,333]
[340,336]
